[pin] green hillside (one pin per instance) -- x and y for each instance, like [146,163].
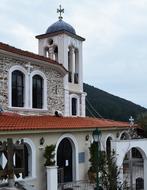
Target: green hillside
[109,106]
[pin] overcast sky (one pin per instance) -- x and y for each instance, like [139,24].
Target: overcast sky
[115,50]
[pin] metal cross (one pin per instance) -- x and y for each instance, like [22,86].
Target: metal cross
[60,11]
[131,121]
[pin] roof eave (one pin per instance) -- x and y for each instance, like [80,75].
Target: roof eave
[60,32]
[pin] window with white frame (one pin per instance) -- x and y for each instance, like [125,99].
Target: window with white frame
[27,90]
[74,105]
[38,91]
[17,88]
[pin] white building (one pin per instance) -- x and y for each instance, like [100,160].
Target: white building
[44,103]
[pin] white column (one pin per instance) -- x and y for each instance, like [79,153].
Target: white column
[52,181]
[51,52]
[145,174]
[73,62]
[80,67]
[66,103]
[83,104]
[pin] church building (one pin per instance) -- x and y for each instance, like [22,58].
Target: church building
[43,102]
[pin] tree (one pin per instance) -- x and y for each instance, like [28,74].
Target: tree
[107,168]
[142,122]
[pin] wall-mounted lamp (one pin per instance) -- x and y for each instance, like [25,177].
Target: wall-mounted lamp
[42,141]
[86,137]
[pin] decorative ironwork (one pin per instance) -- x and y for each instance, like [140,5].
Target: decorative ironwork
[9,149]
[60,11]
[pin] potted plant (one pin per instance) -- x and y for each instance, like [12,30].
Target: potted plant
[51,168]
[49,155]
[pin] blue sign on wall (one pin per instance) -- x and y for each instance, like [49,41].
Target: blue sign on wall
[81,157]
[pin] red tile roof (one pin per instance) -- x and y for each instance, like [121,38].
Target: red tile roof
[12,122]
[12,49]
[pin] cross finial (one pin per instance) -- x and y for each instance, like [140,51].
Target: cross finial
[60,11]
[131,121]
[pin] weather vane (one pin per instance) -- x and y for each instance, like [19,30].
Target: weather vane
[60,11]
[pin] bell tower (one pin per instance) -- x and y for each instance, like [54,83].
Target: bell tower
[62,44]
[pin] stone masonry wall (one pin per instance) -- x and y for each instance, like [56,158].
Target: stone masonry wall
[55,89]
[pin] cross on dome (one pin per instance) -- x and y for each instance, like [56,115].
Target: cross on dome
[60,11]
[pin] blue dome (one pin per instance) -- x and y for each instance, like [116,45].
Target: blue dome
[60,25]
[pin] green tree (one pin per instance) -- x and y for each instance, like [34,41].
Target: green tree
[142,122]
[107,168]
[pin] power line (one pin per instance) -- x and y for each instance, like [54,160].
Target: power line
[98,114]
[90,112]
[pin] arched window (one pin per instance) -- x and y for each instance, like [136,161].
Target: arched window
[37,91]
[17,89]
[74,106]
[108,146]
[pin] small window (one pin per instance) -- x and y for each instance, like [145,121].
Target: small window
[74,106]
[17,89]
[37,91]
